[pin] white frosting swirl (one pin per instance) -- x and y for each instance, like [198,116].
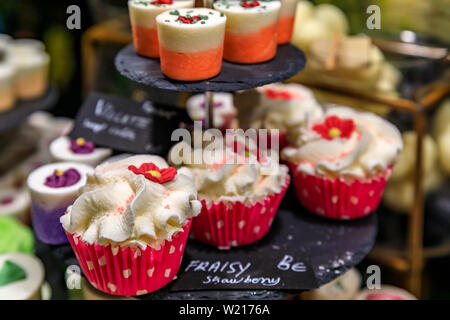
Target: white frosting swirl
[231,176]
[294,109]
[120,207]
[372,147]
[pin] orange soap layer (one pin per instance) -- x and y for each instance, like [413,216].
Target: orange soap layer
[193,66]
[146,41]
[285,28]
[255,47]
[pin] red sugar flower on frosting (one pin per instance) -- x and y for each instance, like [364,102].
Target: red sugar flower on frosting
[153,173]
[278,95]
[335,127]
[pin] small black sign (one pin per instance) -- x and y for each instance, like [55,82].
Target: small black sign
[126,125]
[240,270]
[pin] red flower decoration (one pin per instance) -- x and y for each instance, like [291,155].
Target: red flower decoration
[249,4]
[278,95]
[335,127]
[153,173]
[162,2]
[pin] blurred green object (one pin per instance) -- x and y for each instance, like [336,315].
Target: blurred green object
[15,237]
[429,18]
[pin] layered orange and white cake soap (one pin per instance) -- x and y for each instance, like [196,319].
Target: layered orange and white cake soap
[251,33]
[286,20]
[143,22]
[191,43]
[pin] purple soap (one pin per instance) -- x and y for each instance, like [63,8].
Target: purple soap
[54,187]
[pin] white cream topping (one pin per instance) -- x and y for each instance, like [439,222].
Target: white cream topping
[248,20]
[195,37]
[286,106]
[53,198]
[27,288]
[120,207]
[222,177]
[223,107]
[60,151]
[372,147]
[143,13]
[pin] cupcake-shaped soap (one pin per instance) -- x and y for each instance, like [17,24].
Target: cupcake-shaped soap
[251,33]
[78,150]
[130,224]
[143,22]
[15,203]
[286,107]
[53,188]
[224,110]
[15,237]
[191,43]
[385,293]
[7,94]
[341,163]
[239,190]
[21,277]
[286,20]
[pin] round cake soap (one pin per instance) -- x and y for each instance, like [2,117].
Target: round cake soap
[32,67]
[54,187]
[21,277]
[15,237]
[78,150]
[385,293]
[286,20]
[143,22]
[14,203]
[224,110]
[7,94]
[341,162]
[191,43]
[251,33]
[240,191]
[344,287]
[130,224]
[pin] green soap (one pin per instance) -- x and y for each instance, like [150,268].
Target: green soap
[11,272]
[15,237]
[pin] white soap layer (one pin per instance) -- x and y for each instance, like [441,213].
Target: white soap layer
[53,198]
[242,20]
[60,151]
[144,15]
[188,38]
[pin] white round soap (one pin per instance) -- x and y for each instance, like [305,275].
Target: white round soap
[28,288]
[60,151]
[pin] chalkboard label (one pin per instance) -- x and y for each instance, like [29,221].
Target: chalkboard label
[126,125]
[241,270]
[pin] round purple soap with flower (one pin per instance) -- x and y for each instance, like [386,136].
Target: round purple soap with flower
[54,187]
[78,150]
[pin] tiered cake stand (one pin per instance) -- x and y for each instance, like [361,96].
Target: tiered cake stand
[331,247]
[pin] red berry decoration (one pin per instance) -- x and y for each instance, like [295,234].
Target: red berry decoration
[153,173]
[278,95]
[249,4]
[162,2]
[187,20]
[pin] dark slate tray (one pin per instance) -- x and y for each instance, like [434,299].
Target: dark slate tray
[288,62]
[23,109]
[332,248]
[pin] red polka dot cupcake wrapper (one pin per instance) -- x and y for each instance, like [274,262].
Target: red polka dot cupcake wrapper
[130,272]
[232,224]
[338,199]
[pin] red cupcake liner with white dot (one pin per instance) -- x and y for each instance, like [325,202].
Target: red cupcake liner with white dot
[127,271]
[232,224]
[337,198]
